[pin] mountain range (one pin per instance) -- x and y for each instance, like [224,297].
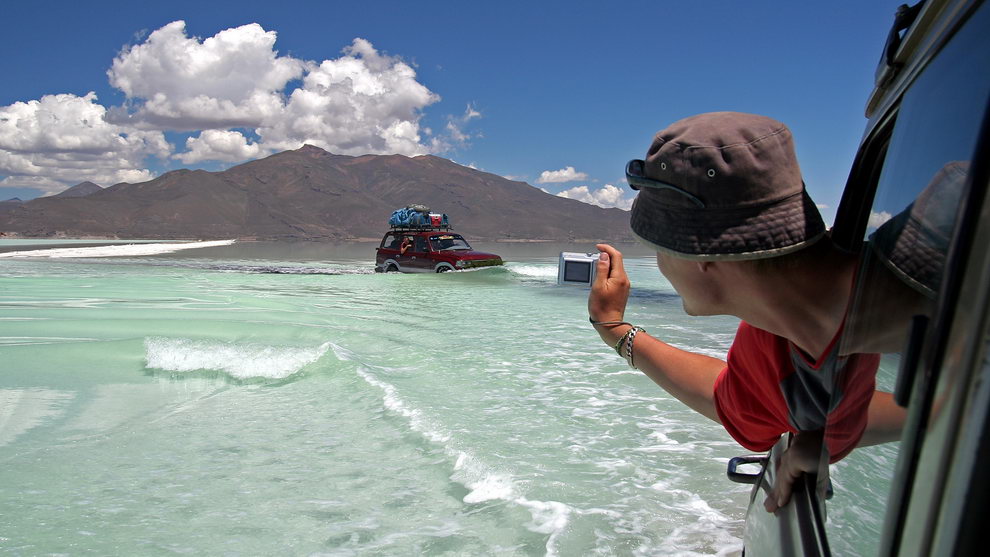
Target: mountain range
[311,194]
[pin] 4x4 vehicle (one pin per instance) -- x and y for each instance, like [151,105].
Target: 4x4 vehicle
[433,250]
[915,202]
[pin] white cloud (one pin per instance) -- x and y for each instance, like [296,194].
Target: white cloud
[877,219]
[455,126]
[61,140]
[233,79]
[363,102]
[563,175]
[217,145]
[607,196]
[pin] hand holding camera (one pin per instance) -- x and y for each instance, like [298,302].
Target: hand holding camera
[610,287]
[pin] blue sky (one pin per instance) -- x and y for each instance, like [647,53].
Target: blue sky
[519,89]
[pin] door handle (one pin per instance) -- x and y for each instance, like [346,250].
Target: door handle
[742,477]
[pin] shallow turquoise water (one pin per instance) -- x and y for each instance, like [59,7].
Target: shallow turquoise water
[284,399]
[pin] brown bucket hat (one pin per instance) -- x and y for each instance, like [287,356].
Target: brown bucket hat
[914,243]
[723,185]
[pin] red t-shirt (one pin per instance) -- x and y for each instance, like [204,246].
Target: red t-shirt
[770,387]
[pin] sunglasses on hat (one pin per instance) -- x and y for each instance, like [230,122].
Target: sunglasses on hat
[637,179]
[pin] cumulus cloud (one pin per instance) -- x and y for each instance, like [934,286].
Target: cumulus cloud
[559,176]
[233,79]
[218,145]
[878,218]
[362,102]
[607,196]
[59,140]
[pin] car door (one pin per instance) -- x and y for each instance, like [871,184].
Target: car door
[914,209]
[406,260]
[416,258]
[422,253]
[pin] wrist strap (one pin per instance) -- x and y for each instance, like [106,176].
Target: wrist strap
[593,322]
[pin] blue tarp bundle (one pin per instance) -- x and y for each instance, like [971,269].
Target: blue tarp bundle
[417,216]
[408,217]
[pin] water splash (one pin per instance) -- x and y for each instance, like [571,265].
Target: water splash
[534,271]
[240,361]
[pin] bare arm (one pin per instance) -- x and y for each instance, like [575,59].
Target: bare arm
[885,421]
[687,376]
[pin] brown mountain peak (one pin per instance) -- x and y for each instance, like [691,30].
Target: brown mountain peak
[309,193]
[80,190]
[313,151]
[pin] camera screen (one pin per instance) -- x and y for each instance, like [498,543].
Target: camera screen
[577,271]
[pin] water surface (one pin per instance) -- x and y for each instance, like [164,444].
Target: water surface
[284,399]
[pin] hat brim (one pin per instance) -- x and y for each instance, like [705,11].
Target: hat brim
[727,233]
[913,252]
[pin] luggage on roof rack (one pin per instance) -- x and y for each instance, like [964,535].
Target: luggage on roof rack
[418,217]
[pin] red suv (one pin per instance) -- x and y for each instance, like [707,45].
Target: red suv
[429,251]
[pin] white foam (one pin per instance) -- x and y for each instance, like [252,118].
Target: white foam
[549,517]
[394,403]
[534,271]
[483,482]
[241,361]
[129,250]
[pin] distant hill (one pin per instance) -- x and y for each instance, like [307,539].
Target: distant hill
[80,190]
[309,193]
[9,204]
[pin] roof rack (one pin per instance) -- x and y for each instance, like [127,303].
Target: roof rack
[424,228]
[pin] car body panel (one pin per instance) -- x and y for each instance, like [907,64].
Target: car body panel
[793,531]
[424,257]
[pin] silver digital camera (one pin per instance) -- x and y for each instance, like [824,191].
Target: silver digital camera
[577,268]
